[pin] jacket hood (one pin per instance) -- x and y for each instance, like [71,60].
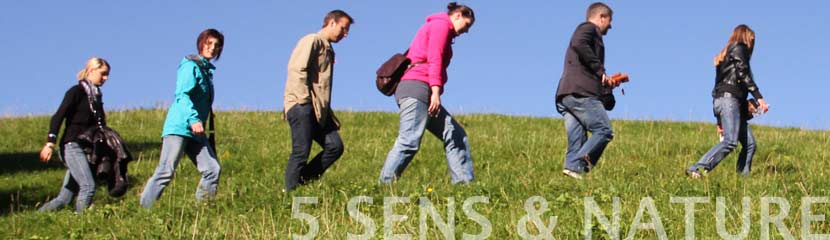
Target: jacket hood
[441,17]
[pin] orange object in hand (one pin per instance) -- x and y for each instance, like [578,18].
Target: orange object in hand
[619,77]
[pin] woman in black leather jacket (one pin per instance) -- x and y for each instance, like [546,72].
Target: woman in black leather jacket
[733,83]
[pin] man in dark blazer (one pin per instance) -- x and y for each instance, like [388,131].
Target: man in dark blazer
[585,93]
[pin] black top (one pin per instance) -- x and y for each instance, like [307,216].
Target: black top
[79,118]
[733,74]
[584,64]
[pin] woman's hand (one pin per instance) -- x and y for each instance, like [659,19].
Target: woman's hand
[434,101]
[763,105]
[197,129]
[46,152]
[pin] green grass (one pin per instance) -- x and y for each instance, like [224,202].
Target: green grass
[515,158]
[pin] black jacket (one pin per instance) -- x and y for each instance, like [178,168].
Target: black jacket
[584,66]
[75,110]
[108,157]
[733,74]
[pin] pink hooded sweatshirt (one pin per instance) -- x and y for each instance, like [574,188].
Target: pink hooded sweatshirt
[431,50]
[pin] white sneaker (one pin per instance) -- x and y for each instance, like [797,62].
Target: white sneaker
[572,174]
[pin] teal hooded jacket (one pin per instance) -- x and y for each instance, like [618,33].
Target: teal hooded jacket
[194,97]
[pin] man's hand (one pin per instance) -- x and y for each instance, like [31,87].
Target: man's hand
[197,129]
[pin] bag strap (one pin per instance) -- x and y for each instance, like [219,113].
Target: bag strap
[211,130]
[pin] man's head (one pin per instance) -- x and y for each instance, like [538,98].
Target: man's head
[336,25]
[601,15]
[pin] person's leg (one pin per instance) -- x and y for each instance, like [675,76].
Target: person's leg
[171,152]
[206,162]
[68,190]
[300,119]
[332,150]
[747,151]
[413,119]
[593,117]
[727,110]
[577,136]
[81,173]
[456,145]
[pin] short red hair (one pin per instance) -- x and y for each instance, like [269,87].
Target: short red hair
[208,33]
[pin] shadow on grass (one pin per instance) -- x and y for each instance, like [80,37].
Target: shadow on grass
[30,161]
[23,199]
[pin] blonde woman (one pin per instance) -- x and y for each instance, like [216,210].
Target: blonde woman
[733,83]
[75,110]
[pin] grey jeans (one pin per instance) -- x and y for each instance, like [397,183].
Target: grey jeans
[78,180]
[414,120]
[200,154]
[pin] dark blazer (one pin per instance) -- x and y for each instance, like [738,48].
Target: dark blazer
[584,66]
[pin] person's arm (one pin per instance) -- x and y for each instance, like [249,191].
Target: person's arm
[186,83]
[70,99]
[439,39]
[300,60]
[740,57]
[582,42]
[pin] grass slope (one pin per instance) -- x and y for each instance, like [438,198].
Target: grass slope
[515,158]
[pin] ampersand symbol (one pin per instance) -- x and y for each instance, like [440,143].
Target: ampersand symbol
[534,215]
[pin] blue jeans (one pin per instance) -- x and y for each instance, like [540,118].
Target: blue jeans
[304,130]
[583,115]
[200,154]
[735,129]
[414,120]
[78,180]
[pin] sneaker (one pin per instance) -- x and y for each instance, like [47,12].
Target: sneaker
[572,174]
[694,174]
[588,164]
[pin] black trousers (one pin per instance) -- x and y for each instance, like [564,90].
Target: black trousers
[304,129]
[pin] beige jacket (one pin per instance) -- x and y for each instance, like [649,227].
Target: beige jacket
[310,71]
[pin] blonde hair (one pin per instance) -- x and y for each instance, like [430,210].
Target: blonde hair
[92,63]
[741,34]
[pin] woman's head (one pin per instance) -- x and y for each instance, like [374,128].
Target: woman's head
[741,34]
[210,43]
[97,71]
[462,17]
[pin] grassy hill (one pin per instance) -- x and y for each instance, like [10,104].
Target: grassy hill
[515,159]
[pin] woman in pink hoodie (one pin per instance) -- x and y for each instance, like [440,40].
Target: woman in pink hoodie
[419,97]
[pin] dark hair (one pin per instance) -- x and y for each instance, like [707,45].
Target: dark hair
[466,11]
[336,15]
[208,33]
[598,8]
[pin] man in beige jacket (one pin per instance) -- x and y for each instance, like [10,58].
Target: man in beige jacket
[308,101]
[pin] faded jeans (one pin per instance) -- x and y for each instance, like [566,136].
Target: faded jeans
[78,180]
[735,129]
[583,115]
[414,120]
[199,153]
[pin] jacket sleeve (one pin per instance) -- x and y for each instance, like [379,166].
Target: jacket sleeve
[740,58]
[438,40]
[70,99]
[300,60]
[186,88]
[582,42]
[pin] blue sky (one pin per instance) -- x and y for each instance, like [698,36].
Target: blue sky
[509,62]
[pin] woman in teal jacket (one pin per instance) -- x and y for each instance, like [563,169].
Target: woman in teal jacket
[184,129]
